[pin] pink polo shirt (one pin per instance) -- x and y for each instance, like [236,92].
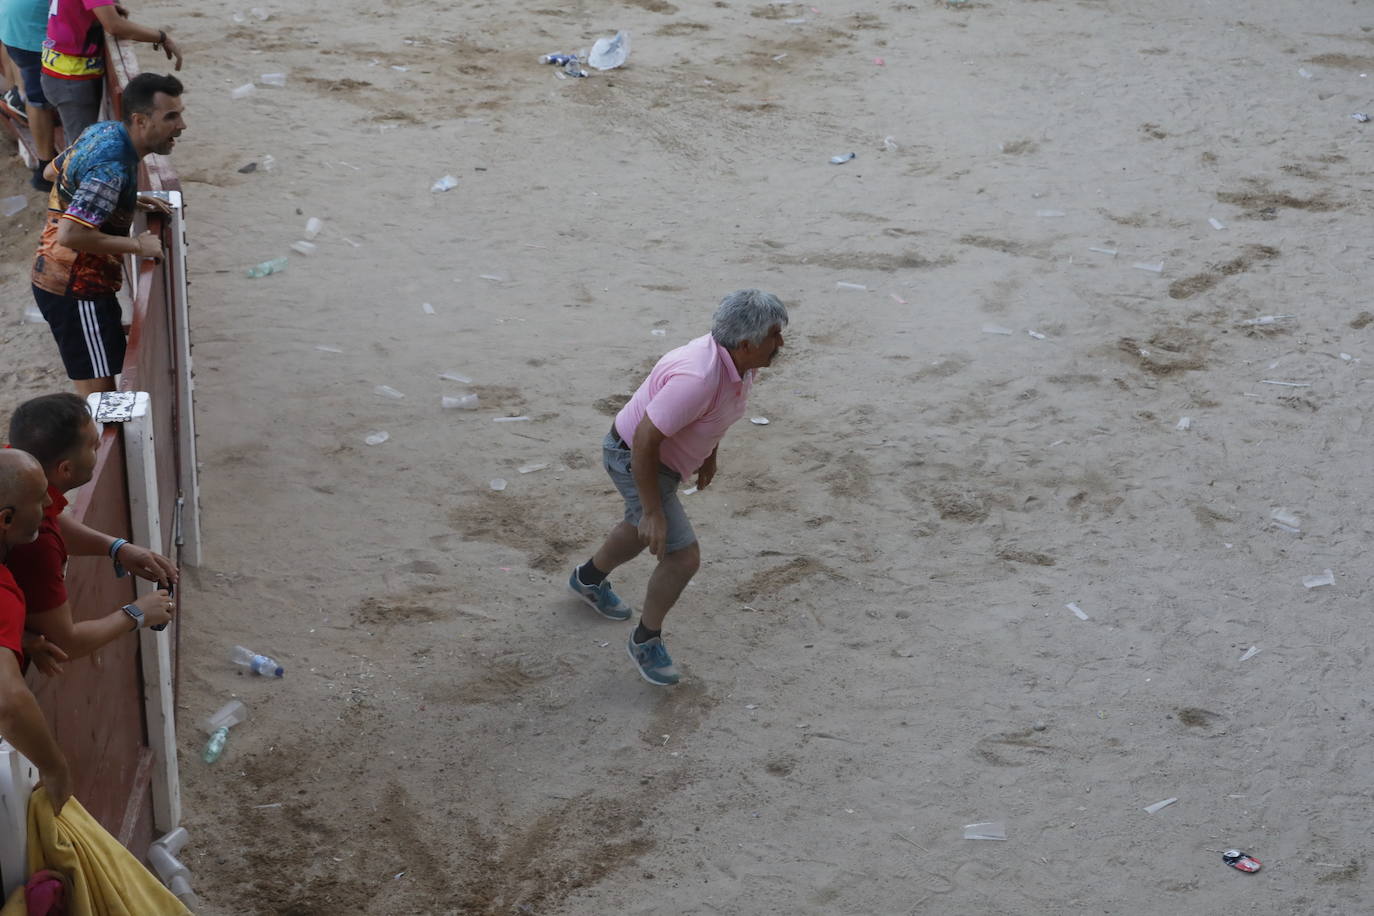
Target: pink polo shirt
[692,395]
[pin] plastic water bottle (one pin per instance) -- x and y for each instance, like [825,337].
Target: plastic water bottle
[218,725]
[258,664]
[215,746]
[274,266]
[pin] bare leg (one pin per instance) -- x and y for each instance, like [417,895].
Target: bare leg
[41,125]
[88,386]
[666,583]
[621,546]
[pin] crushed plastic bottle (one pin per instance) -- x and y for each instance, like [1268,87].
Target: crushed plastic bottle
[273,79]
[304,247]
[447,183]
[462,402]
[258,664]
[609,53]
[377,438]
[274,266]
[387,391]
[841,160]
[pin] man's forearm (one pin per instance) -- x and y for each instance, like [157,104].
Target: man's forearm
[83,540]
[93,241]
[644,467]
[22,725]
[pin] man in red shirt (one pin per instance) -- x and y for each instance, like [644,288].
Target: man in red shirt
[23,497]
[58,431]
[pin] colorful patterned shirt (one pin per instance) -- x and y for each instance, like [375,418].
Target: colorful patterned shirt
[96,186]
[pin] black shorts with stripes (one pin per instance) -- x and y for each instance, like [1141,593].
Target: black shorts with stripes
[89,333]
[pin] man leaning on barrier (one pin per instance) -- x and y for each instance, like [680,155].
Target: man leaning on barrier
[669,430]
[23,497]
[57,430]
[91,210]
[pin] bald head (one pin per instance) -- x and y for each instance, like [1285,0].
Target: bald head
[23,497]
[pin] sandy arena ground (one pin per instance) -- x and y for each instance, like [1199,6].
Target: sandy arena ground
[877,648]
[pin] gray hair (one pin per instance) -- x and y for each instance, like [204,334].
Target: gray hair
[746,315]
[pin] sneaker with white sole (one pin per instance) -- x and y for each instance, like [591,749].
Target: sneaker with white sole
[602,598]
[654,662]
[13,102]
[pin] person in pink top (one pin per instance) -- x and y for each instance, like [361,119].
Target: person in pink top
[670,430]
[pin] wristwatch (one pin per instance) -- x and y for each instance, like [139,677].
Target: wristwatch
[134,612]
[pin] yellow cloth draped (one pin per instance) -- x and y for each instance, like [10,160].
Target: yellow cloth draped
[106,879]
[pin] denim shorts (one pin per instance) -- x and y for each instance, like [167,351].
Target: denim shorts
[30,64]
[616,458]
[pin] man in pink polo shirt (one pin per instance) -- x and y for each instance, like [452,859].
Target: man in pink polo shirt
[671,429]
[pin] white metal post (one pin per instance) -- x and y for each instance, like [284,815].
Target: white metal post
[188,533]
[17,777]
[155,647]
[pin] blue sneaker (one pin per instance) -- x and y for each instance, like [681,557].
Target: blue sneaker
[601,597]
[655,664]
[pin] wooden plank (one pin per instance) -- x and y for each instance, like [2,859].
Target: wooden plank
[159,705]
[138,797]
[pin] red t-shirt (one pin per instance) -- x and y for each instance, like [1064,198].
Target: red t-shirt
[11,614]
[40,568]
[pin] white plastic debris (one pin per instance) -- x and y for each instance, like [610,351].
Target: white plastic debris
[509,419]
[609,53]
[12,205]
[659,332]
[260,13]
[890,143]
[1185,423]
[1216,223]
[32,314]
[327,349]
[533,466]
[1108,251]
[857,287]
[447,183]
[1347,357]
[243,91]
[1049,214]
[1270,381]
[1159,805]
[1036,334]
[689,491]
[399,69]
[313,227]
[1361,117]
[426,308]
[1287,520]
[759,421]
[455,377]
[498,484]
[1155,268]
[304,247]
[376,438]
[1264,320]
[273,79]
[988,830]
[1326,578]
[1250,653]
[995,329]
[462,402]
[842,159]
[1304,73]
[387,391]
[1077,611]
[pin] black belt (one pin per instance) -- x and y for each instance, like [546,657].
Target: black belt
[615,434]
